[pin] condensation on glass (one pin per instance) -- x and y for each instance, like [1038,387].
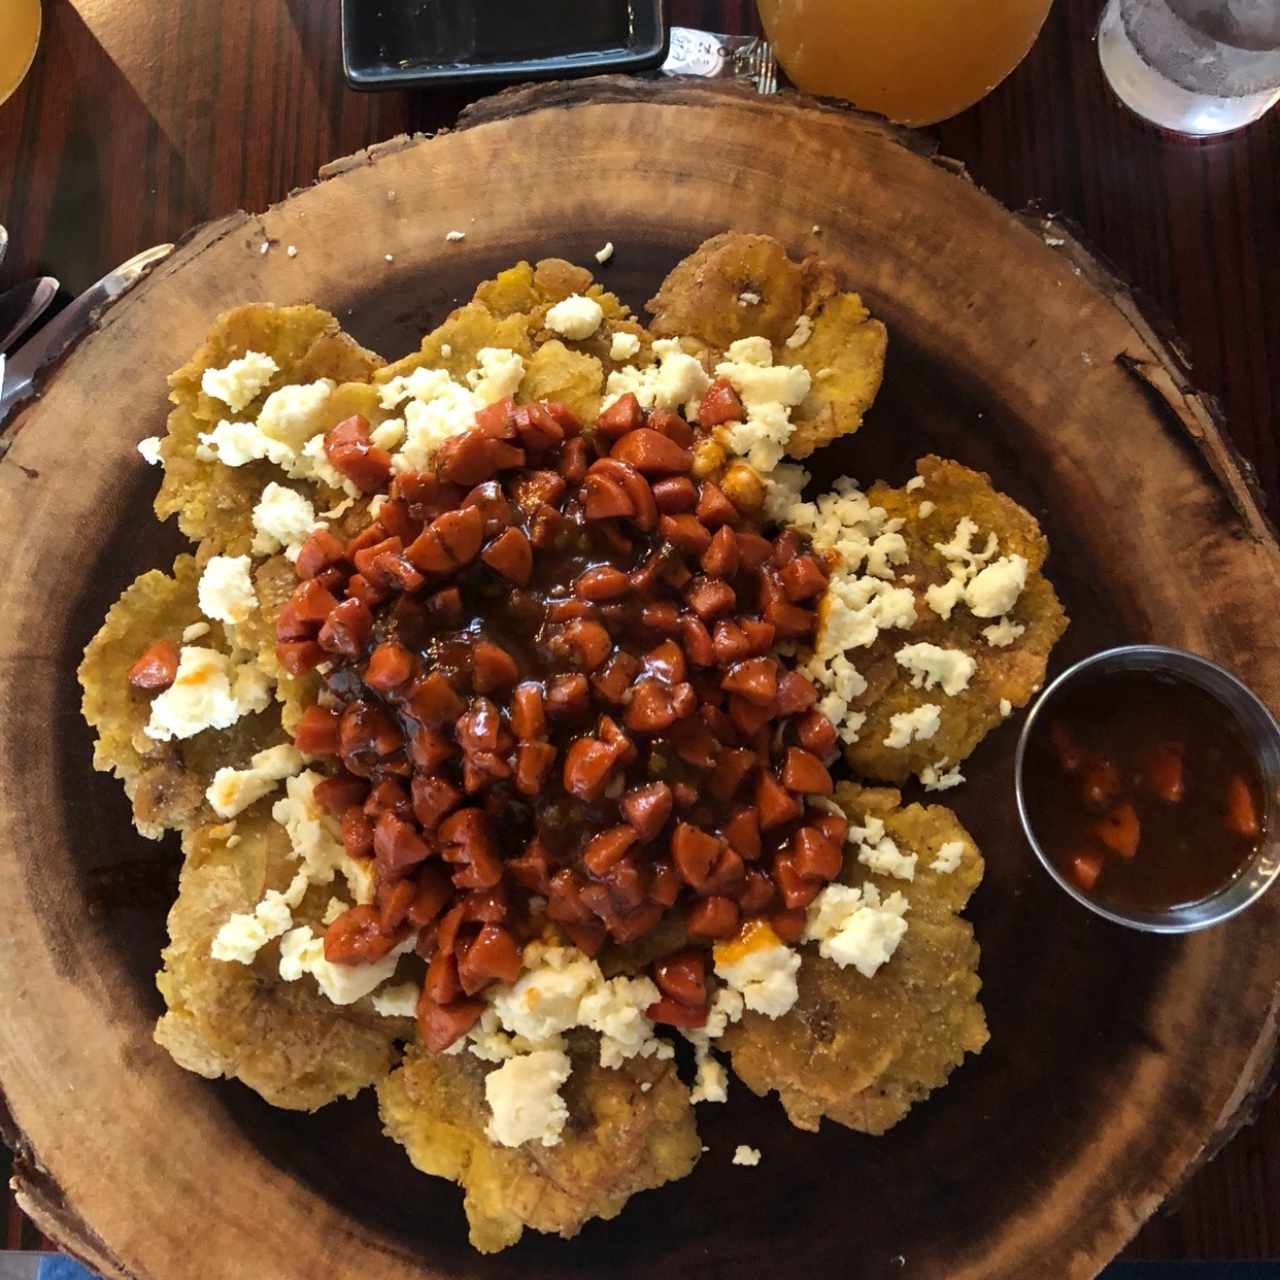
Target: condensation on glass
[1199,67]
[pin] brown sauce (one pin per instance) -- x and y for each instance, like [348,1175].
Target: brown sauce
[553,699]
[1143,790]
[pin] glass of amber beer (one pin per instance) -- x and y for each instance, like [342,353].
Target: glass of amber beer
[19,35]
[915,61]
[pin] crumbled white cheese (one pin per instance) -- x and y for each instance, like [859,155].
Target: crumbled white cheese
[939,778]
[746,1155]
[234,790]
[711,1080]
[335,908]
[208,692]
[926,509]
[251,688]
[292,251]
[438,408]
[860,600]
[930,665]
[605,252]
[1001,634]
[765,976]
[748,299]
[886,859]
[239,383]
[782,489]
[801,334]
[399,1001]
[388,435]
[498,374]
[576,317]
[524,1096]
[876,849]
[943,598]
[959,548]
[616,1009]
[225,590]
[292,415]
[854,927]
[949,857]
[995,589]
[768,393]
[454,236]
[314,839]
[282,518]
[340,508]
[675,381]
[916,482]
[913,726]
[247,932]
[301,951]
[196,631]
[624,345]
[149,448]
[235,444]
[545,999]
[560,989]
[289,432]
[1006,708]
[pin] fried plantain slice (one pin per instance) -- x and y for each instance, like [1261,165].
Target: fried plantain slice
[165,781]
[531,290]
[213,502]
[737,285]
[455,344]
[1010,672]
[284,1040]
[620,1139]
[862,1051]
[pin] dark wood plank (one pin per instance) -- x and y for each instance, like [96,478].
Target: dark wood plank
[139,121]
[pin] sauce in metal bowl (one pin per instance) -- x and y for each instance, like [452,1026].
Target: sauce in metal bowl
[1143,790]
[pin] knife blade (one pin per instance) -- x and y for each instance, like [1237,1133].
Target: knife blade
[22,367]
[22,306]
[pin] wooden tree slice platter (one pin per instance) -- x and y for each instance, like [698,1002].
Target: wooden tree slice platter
[1118,1062]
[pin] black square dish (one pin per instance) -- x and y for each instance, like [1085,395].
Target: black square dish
[405,44]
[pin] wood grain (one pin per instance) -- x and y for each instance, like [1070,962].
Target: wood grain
[139,121]
[1073,1139]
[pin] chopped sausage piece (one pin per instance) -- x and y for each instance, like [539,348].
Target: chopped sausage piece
[715,917]
[156,668]
[647,809]
[652,453]
[511,555]
[682,976]
[316,733]
[602,583]
[805,774]
[694,852]
[357,937]
[1242,815]
[492,667]
[348,449]
[622,416]
[675,495]
[686,532]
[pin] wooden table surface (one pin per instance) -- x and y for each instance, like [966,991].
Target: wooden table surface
[140,120]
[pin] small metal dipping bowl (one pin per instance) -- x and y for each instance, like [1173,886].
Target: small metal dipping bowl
[1260,729]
